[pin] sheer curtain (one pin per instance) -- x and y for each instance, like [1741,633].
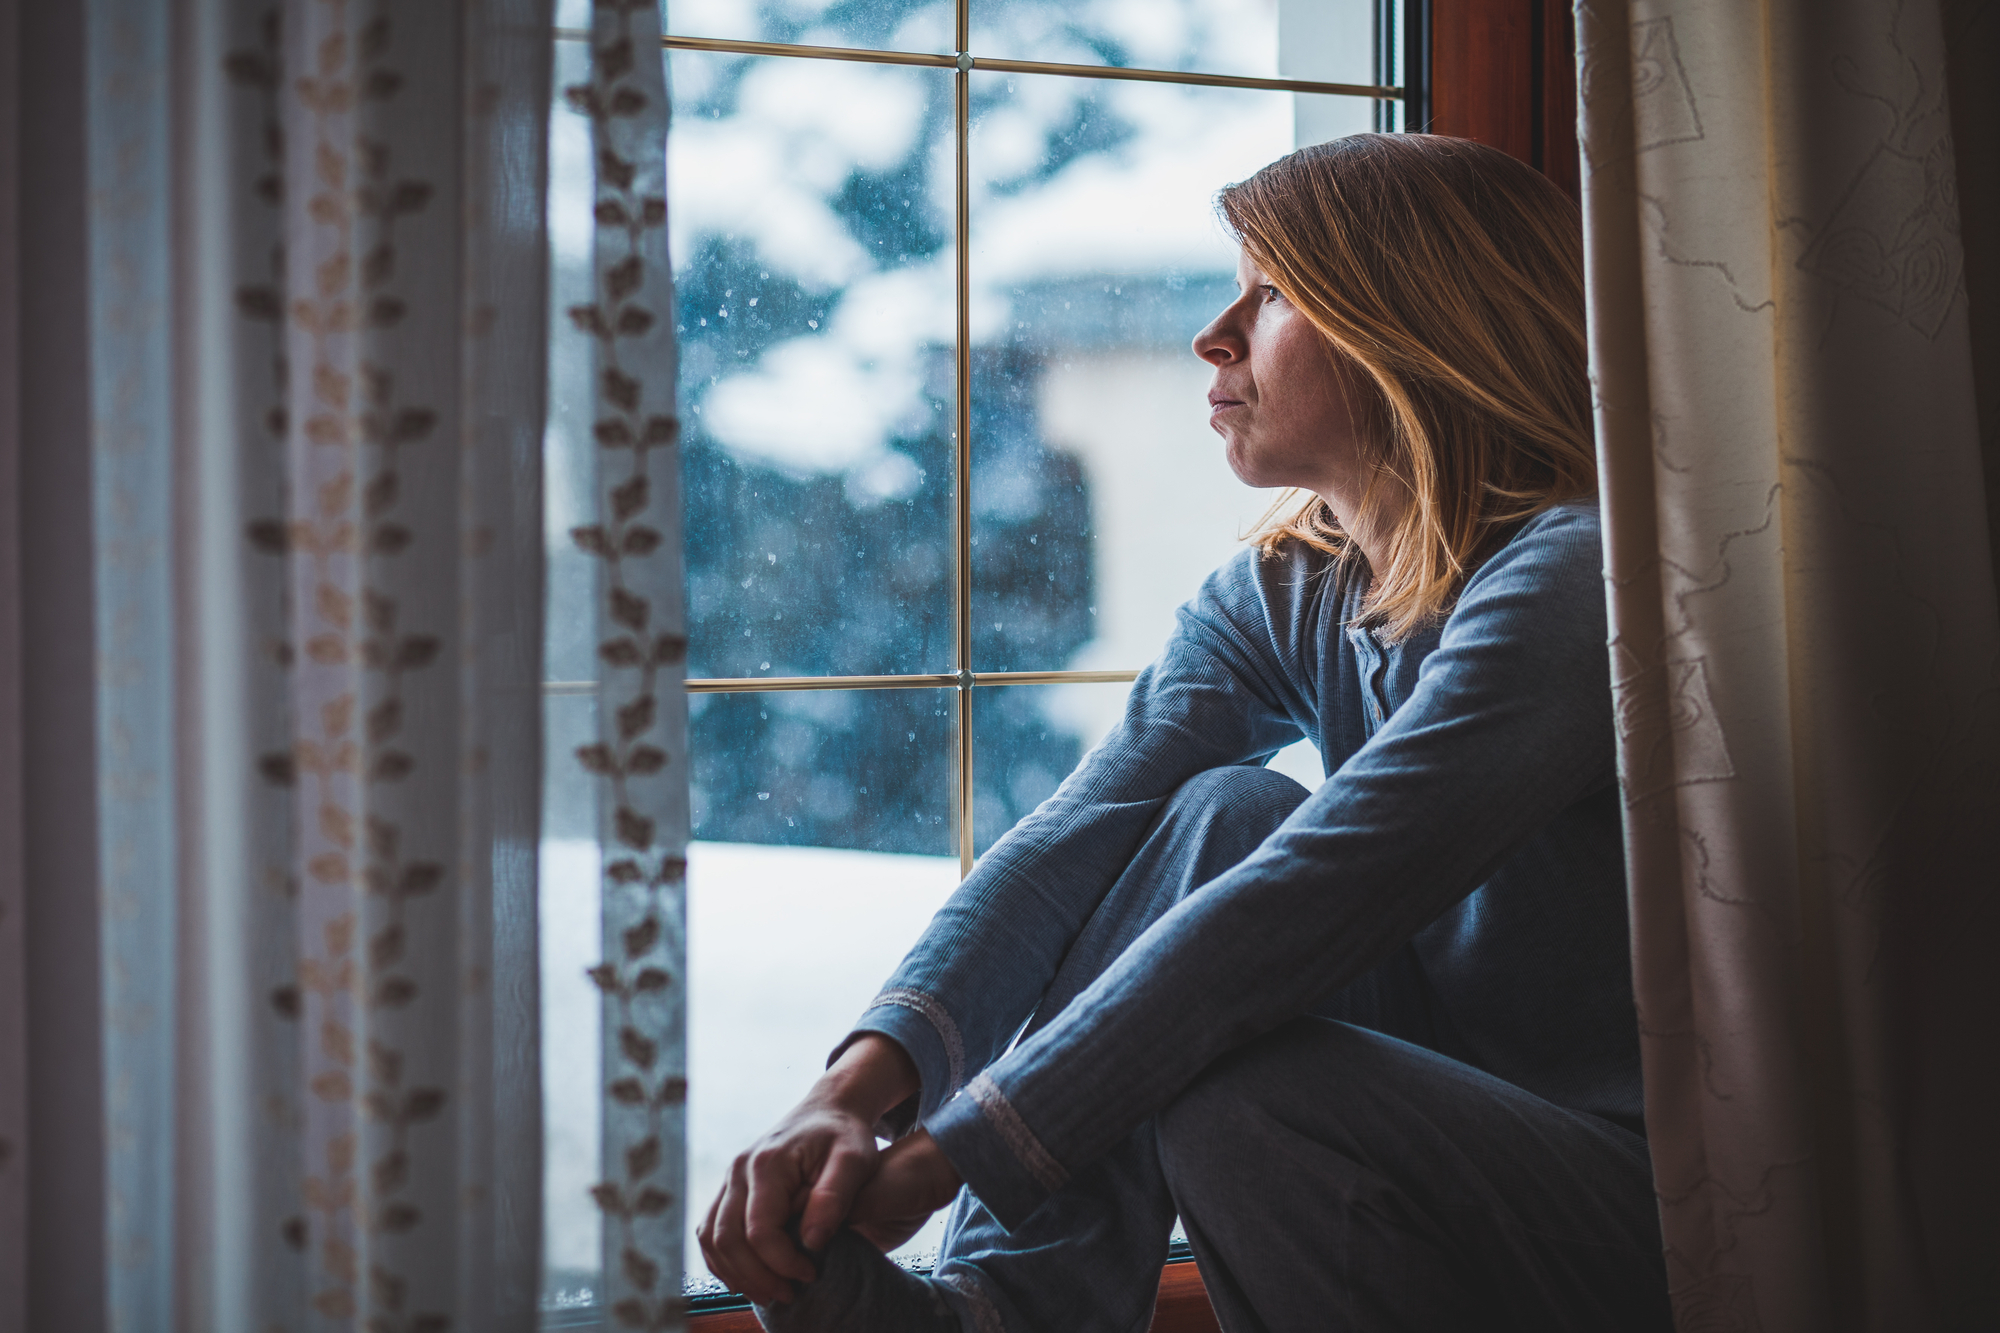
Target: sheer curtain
[1791,245]
[275,335]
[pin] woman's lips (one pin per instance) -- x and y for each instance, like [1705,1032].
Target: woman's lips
[1218,401]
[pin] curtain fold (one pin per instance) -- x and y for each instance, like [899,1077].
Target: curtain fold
[304,491]
[639,759]
[1805,645]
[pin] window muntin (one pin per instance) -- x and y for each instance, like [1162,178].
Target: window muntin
[1076,465]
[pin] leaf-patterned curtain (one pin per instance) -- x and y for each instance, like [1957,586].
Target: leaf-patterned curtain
[268,997]
[1791,226]
[641,665]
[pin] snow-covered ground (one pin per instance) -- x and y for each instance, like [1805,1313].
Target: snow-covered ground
[786,946]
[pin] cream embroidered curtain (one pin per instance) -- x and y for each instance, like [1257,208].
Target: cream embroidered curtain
[1785,200]
[274,409]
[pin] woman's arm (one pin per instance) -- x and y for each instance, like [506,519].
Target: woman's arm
[1219,694]
[1510,723]
[1231,686]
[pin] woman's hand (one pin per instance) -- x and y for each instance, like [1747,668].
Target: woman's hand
[913,1180]
[809,1167]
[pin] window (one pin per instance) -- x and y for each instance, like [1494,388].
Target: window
[945,462]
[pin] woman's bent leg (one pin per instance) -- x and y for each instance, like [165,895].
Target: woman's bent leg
[1334,1178]
[1088,1260]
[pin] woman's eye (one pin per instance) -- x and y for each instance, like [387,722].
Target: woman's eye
[1270,292]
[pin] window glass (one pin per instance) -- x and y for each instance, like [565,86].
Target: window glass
[1330,41]
[809,879]
[866,769]
[572,1030]
[569,463]
[882,25]
[814,272]
[786,946]
[1209,36]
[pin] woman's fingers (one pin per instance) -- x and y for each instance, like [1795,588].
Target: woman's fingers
[731,1255]
[777,1182]
[915,1179]
[833,1195]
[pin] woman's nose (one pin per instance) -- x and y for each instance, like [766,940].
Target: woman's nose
[1217,344]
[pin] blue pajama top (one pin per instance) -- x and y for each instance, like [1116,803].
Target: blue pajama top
[1470,812]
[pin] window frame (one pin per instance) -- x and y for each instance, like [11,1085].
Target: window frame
[965,679]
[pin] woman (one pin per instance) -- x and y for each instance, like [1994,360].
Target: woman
[1374,1044]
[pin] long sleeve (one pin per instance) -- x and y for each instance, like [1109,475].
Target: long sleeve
[1228,688]
[1508,725]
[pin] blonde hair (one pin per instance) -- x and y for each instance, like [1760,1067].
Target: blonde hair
[1446,279]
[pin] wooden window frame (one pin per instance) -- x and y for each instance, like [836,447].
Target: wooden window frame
[1502,72]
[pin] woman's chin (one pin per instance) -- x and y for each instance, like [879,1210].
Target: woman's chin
[1247,472]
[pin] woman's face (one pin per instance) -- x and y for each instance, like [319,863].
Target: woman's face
[1276,400]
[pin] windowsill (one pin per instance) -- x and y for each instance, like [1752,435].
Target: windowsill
[1182,1307]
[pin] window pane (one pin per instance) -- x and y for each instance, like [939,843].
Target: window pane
[1328,40]
[571,942]
[864,769]
[881,25]
[786,946]
[811,230]
[1212,36]
[1100,496]
[1025,740]
[569,471]
[825,842]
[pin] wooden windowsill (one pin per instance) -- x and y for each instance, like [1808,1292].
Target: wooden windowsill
[1183,1308]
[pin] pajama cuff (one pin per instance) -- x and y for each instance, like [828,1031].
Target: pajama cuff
[995,1152]
[920,1025]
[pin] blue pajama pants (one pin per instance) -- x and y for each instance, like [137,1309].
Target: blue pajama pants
[1332,1174]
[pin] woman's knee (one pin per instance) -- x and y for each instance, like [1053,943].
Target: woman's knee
[1229,811]
[1237,788]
